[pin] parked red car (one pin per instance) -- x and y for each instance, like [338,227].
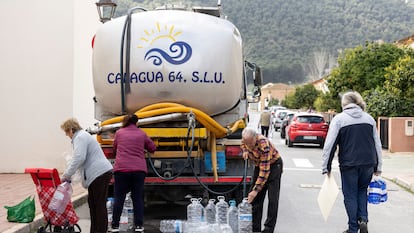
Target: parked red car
[306,128]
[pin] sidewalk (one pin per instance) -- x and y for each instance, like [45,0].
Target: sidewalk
[397,167]
[15,188]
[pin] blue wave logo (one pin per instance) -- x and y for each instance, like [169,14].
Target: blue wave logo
[179,53]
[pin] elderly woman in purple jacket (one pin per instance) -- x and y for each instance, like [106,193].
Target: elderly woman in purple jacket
[130,169]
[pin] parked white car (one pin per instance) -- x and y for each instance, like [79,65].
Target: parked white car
[278,112]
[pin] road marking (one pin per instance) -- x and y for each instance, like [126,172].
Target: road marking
[315,186]
[301,169]
[302,163]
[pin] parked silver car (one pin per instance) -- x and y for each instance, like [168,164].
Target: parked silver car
[286,120]
[277,118]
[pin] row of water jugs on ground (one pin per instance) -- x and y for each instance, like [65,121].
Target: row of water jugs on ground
[220,217]
[127,217]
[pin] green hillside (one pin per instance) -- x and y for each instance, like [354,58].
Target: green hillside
[284,36]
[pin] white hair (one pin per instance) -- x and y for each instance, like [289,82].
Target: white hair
[249,132]
[352,97]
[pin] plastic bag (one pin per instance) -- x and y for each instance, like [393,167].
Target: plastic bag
[61,198]
[377,190]
[23,212]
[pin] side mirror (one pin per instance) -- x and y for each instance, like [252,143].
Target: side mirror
[254,96]
[254,75]
[257,92]
[257,76]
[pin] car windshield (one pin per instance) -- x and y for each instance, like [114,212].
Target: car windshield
[310,119]
[282,115]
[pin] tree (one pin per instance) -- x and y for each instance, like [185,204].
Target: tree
[290,101]
[399,86]
[274,101]
[305,96]
[316,68]
[364,69]
[399,79]
[383,103]
[326,102]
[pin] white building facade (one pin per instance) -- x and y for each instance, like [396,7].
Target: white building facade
[46,78]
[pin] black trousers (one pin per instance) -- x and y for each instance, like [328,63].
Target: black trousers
[97,195]
[265,131]
[124,183]
[272,187]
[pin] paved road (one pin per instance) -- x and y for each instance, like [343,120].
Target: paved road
[299,211]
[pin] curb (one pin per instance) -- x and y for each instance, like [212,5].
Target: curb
[39,221]
[403,183]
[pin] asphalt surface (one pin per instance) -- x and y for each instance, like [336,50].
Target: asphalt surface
[397,168]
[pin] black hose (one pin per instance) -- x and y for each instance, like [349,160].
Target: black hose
[195,175]
[244,178]
[188,163]
[125,84]
[164,177]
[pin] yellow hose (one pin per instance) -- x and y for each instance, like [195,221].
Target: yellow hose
[159,105]
[203,118]
[236,125]
[166,108]
[214,156]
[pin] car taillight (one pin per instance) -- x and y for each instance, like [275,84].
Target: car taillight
[233,151]
[108,151]
[325,126]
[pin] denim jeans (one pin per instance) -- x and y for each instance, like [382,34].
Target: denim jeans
[355,181]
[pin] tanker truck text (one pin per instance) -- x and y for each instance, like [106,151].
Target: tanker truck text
[172,77]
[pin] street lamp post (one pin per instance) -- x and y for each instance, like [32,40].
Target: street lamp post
[106,10]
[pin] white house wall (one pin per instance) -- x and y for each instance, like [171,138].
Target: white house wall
[45,65]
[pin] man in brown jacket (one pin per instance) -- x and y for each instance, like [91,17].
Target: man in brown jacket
[265,122]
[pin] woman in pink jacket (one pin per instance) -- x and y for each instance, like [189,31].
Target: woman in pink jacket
[130,169]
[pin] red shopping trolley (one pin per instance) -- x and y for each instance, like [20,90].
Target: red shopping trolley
[46,181]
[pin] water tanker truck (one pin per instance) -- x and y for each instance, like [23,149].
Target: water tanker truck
[183,73]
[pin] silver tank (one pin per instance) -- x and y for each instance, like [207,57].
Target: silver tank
[176,56]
